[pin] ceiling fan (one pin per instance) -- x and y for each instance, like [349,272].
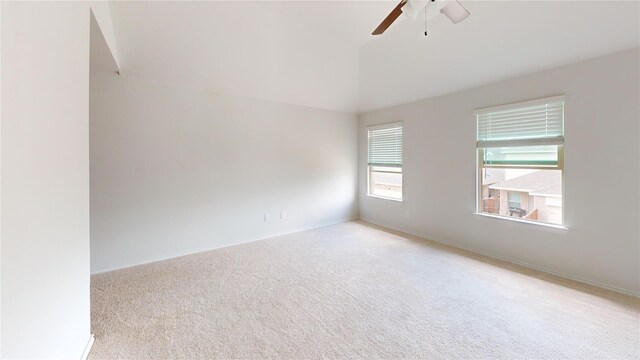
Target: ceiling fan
[450,8]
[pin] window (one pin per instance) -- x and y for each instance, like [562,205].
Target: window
[385,161]
[514,200]
[520,160]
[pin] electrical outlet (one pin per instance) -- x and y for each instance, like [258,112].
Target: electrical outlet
[283,215]
[266,217]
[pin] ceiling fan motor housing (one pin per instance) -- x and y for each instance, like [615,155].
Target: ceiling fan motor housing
[414,7]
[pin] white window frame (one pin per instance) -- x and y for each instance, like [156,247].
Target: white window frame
[480,161]
[369,167]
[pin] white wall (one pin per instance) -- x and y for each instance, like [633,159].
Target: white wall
[102,12]
[45,180]
[175,170]
[602,173]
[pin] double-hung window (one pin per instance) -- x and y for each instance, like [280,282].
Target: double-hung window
[385,161]
[520,160]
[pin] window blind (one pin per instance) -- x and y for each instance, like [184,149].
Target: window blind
[385,145]
[533,123]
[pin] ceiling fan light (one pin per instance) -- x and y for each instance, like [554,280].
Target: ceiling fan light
[455,12]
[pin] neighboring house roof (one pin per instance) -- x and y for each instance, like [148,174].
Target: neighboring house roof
[492,176]
[538,183]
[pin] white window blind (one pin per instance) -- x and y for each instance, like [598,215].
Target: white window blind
[385,145]
[538,122]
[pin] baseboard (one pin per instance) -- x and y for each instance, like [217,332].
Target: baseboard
[508,260]
[191,252]
[87,349]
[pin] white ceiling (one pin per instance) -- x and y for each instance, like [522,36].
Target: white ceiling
[320,53]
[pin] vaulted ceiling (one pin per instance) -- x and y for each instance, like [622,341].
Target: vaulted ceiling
[321,54]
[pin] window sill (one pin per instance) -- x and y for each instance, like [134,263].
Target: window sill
[554,226]
[384,198]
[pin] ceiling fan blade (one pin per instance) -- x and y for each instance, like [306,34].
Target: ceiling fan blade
[393,15]
[455,11]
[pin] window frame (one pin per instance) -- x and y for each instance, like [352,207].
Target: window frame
[523,142]
[370,167]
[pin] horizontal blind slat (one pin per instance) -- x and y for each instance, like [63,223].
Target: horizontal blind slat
[498,117]
[548,117]
[524,131]
[518,109]
[516,113]
[522,128]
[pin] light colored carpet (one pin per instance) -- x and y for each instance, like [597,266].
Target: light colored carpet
[353,291]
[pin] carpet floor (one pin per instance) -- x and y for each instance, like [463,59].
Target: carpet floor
[354,290]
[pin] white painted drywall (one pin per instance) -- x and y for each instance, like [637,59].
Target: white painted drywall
[45,180]
[101,57]
[602,175]
[500,40]
[102,12]
[273,49]
[176,170]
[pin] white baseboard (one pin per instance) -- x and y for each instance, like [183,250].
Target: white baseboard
[512,261]
[191,252]
[87,349]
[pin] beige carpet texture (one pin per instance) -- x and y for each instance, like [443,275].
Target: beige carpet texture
[354,291]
